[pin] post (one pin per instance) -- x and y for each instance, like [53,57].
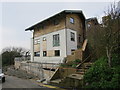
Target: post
[32,49]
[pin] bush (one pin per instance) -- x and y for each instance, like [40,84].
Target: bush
[101,76]
[71,64]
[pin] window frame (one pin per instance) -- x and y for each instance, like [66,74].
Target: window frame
[79,38]
[72,21]
[56,40]
[72,36]
[56,22]
[36,41]
[37,55]
[45,54]
[44,38]
[57,53]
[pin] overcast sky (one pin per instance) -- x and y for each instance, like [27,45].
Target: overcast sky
[16,17]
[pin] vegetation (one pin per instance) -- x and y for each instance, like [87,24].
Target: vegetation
[72,64]
[105,42]
[101,76]
[104,39]
[8,54]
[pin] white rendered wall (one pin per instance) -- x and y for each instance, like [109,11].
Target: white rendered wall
[49,40]
[66,45]
[62,46]
[71,44]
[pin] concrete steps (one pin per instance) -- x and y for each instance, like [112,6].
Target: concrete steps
[57,81]
[73,78]
[84,68]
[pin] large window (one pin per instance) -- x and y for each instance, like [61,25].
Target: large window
[72,36]
[57,52]
[71,20]
[56,40]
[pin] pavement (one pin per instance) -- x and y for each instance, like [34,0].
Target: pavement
[14,82]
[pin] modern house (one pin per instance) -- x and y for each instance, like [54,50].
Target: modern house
[57,37]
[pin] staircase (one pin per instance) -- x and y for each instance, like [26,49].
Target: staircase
[73,78]
[83,68]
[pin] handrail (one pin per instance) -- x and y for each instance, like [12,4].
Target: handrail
[84,61]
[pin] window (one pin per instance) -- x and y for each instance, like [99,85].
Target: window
[72,36]
[79,38]
[37,41]
[56,22]
[44,53]
[56,40]
[37,53]
[72,51]
[44,38]
[88,25]
[42,26]
[72,20]
[57,52]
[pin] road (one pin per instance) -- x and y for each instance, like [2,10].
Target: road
[14,82]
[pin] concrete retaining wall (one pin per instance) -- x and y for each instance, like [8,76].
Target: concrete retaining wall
[41,70]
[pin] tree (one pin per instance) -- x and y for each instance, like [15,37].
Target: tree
[8,54]
[105,38]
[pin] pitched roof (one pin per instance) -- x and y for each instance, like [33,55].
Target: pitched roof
[65,11]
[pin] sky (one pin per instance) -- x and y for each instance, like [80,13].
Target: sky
[15,17]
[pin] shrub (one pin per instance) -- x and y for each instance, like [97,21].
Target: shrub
[71,64]
[101,76]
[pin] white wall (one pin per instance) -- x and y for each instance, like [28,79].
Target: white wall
[62,46]
[49,39]
[65,46]
[49,59]
[71,44]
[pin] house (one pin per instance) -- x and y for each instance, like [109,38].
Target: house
[91,22]
[57,37]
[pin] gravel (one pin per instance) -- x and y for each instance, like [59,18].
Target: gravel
[20,73]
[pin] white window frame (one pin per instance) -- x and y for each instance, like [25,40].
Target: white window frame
[72,20]
[72,36]
[56,40]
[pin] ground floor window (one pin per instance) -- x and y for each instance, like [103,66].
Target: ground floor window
[37,53]
[44,53]
[57,52]
[72,51]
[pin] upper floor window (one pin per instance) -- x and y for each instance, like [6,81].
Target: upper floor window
[71,20]
[88,25]
[56,40]
[56,22]
[72,36]
[42,26]
[79,38]
[37,41]
[44,38]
